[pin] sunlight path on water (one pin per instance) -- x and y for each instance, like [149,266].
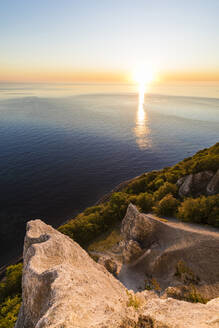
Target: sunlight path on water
[142,130]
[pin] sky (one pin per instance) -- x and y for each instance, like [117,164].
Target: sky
[105,40]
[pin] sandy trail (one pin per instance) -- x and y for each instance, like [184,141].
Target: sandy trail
[193,227]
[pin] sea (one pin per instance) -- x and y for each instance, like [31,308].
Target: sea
[63,146]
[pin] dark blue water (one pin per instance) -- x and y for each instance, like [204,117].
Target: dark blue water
[61,154]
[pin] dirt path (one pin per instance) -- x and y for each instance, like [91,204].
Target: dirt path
[187,226]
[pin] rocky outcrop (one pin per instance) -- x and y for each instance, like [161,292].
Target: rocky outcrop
[63,287]
[165,249]
[202,183]
[213,186]
[195,184]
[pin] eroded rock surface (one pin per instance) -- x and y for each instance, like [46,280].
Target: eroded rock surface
[173,253]
[213,186]
[64,288]
[195,184]
[202,183]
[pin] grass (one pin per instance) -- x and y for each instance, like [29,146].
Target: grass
[106,241]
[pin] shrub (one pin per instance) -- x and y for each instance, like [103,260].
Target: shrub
[86,227]
[9,311]
[200,210]
[210,162]
[118,205]
[172,176]
[158,183]
[167,188]
[156,285]
[185,274]
[10,296]
[145,202]
[166,206]
[92,209]
[11,284]
[133,300]
[137,186]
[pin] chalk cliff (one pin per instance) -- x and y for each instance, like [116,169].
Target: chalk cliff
[205,182]
[64,288]
[174,253]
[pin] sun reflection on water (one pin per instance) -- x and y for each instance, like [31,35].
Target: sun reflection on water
[142,130]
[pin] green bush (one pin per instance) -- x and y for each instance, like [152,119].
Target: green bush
[11,284]
[118,205]
[145,201]
[146,191]
[200,210]
[167,188]
[167,206]
[90,224]
[10,296]
[137,186]
[9,311]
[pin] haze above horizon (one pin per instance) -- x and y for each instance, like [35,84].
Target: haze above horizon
[104,41]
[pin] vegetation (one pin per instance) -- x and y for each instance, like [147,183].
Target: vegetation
[106,241]
[133,300]
[96,220]
[156,285]
[185,274]
[10,296]
[200,210]
[167,206]
[187,293]
[153,284]
[154,191]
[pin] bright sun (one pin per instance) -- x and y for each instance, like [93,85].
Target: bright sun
[143,76]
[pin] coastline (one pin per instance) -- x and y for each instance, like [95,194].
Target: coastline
[103,199]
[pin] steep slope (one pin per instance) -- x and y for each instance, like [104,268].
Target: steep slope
[175,254]
[64,288]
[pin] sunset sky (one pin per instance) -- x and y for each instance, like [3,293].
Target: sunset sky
[105,40]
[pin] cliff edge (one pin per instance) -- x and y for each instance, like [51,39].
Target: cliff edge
[62,287]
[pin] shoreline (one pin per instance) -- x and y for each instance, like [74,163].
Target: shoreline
[103,199]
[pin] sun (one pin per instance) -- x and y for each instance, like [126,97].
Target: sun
[143,76]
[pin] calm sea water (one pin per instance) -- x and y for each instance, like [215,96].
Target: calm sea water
[64,146]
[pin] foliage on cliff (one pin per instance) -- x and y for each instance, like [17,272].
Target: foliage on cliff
[10,296]
[155,191]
